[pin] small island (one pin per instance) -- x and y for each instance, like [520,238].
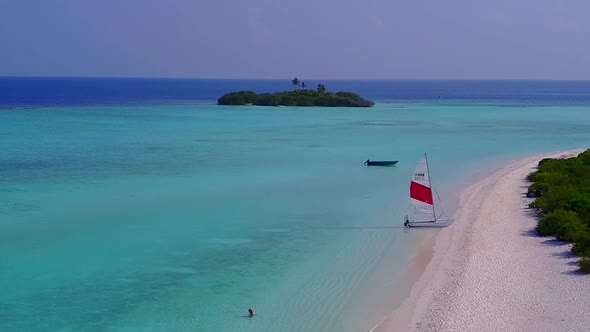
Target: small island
[297,97]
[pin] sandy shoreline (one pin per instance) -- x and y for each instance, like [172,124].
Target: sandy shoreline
[490,272]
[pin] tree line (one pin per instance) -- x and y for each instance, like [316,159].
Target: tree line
[561,188]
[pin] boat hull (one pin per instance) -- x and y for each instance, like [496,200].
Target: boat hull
[430,224]
[381,163]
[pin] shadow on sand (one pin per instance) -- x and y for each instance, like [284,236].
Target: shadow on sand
[531,213]
[530,233]
[576,273]
[553,243]
[564,254]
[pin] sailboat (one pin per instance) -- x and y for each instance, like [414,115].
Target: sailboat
[423,212]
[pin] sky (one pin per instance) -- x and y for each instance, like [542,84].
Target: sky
[328,39]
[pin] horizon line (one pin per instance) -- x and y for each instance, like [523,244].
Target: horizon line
[310,79]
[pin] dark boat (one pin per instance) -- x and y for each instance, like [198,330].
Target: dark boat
[380,162]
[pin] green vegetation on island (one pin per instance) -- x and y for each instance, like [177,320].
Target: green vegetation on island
[562,191]
[299,97]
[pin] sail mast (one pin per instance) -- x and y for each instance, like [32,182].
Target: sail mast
[430,185]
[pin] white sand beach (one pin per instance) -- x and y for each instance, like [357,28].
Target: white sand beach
[491,272]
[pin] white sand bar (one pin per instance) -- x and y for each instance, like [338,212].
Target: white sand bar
[490,272]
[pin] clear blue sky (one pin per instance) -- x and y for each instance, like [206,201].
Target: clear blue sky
[368,39]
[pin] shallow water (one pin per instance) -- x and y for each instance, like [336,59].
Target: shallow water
[180,218]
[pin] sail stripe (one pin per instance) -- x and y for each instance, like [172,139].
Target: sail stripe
[420,193]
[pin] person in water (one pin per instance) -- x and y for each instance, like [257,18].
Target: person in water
[251,312]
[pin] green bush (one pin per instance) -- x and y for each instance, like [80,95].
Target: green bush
[555,198]
[581,242]
[237,98]
[585,157]
[562,191]
[557,223]
[585,264]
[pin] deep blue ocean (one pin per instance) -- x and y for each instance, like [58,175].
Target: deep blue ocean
[141,205]
[32,91]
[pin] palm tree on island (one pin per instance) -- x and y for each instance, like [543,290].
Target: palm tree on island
[303,85]
[321,88]
[295,82]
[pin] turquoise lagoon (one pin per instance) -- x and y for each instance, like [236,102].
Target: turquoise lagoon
[181,217]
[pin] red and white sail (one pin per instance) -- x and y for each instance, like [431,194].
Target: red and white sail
[421,193]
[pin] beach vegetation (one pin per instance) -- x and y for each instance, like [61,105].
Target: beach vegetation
[581,243]
[238,98]
[300,97]
[561,188]
[557,223]
[585,263]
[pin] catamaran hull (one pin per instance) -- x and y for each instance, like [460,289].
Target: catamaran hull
[431,224]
